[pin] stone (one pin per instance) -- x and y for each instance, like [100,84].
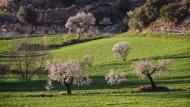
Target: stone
[58,16]
[8,18]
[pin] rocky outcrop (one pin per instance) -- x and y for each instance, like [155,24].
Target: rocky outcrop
[14,5]
[57,16]
[52,15]
[8,18]
[17,29]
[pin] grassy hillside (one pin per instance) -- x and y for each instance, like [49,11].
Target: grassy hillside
[33,93]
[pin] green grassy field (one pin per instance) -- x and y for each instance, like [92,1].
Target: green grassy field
[14,93]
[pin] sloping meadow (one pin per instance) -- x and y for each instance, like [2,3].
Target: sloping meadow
[177,49]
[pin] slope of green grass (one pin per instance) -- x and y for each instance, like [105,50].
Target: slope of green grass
[140,47]
[33,93]
[51,39]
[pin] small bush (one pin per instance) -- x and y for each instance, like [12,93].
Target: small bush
[115,77]
[2,11]
[174,12]
[142,16]
[3,6]
[27,15]
[121,50]
[188,32]
[4,69]
[88,60]
[28,58]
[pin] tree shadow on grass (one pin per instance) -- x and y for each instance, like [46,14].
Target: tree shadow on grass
[98,83]
[172,56]
[173,93]
[5,57]
[129,63]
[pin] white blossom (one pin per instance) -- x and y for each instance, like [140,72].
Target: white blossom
[144,67]
[147,67]
[71,72]
[80,24]
[115,77]
[163,65]
[121,49]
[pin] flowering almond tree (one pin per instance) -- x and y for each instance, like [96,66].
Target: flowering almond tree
[81,24]
[121,49]
[115,77]
[145,68]
[68,73]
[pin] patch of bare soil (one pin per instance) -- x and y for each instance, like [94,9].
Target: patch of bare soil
[142,89]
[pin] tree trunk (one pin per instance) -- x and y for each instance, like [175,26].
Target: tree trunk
[79,36]
[153,85]
[123,59]
[68,85]
[68,88]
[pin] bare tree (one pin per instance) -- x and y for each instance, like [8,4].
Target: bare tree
[121,50]
[4,69]
[88,60]
[28,58]
[81,24]
[68,73]
[145,68]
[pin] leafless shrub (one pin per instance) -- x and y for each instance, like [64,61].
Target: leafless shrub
[4,69]
[81,24]
[88,60]
[68,73]
[121,50]
[4,3]
[146,68]
[115,77]
[106,21]
[28,58]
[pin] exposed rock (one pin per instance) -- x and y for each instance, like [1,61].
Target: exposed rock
[84,2]
[106,21]
[39,4]
[110,16]
[57,16]
[101,11]
[8,18]
[118,28]
[53,29]
[187,19]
